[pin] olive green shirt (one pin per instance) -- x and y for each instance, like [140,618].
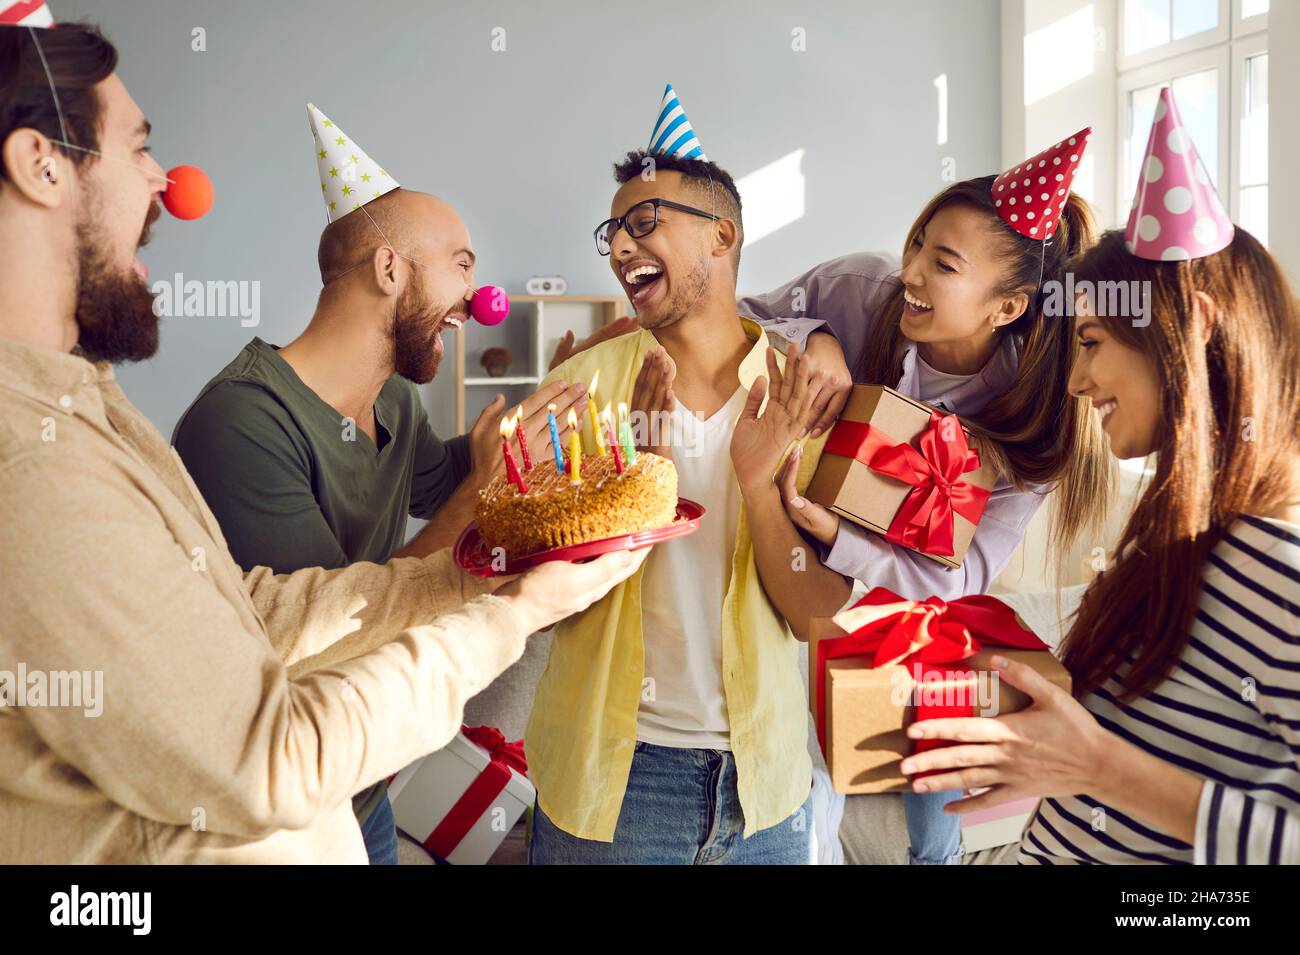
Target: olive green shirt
[294,484]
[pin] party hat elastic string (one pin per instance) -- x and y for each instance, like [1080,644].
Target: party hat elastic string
[189,201]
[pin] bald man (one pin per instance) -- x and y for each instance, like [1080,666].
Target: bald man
[313,455]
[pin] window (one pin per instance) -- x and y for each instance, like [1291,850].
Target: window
[1152,23]
[1214,55]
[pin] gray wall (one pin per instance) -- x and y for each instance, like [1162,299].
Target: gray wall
[521,141]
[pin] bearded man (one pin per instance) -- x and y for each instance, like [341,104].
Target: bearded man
[314,454]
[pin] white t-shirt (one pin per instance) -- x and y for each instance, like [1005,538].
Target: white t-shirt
[684,704]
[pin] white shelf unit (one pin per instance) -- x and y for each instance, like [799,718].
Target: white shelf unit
[535,325]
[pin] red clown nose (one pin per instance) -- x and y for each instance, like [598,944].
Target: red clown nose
[189,194]
[490,305]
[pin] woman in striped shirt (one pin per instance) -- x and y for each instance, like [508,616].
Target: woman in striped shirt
[1181,743]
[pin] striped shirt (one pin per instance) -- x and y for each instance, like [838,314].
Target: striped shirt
[1229,712]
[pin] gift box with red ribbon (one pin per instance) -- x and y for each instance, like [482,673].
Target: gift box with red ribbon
[905,470]
[885,662]
[462,800]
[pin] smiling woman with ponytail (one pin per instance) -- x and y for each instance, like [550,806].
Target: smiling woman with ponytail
[960,324]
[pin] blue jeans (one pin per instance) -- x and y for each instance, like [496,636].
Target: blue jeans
[380,832]
[934,835]
[680,808]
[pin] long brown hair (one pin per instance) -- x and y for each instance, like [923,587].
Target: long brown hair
[1229,412]
[1036,432]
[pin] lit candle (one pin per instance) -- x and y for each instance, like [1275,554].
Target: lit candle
[523,441]
[555,438]
[575,450]
[512,469]
[625,434]
[591,412]
[608,427]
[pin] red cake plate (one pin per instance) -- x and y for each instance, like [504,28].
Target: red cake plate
[474,557]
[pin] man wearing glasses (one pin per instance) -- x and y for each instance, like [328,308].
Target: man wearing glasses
[670,725]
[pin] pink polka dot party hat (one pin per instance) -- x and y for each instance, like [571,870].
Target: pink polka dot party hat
[1176,212]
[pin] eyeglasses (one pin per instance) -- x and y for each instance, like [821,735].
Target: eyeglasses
[640,221]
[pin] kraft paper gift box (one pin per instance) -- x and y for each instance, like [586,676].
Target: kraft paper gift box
[461,801]
[914,443]
[867,709]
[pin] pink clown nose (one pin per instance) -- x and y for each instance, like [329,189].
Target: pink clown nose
[189,194]
[490,305]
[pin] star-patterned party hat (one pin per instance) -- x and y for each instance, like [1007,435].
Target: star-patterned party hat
[673,135]
[1176,212]
[25,13]
[1030,197]
[348,177]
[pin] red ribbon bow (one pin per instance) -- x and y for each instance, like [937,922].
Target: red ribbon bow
[478,798]
[927,634]
[924,521]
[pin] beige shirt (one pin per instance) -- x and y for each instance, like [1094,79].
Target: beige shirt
[239,712]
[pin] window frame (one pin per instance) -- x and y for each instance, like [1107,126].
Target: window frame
[1221,33]
[1164,73]
[1253,44]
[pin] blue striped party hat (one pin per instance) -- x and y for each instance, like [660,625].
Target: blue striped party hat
[673,135]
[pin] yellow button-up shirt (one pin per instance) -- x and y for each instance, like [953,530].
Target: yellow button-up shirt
[583,726]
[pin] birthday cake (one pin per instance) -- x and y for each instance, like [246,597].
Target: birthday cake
[556,512]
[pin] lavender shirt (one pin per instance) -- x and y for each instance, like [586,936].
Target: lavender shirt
[845,297]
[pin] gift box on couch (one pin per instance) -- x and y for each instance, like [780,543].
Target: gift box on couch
[905,470]
[885,662]
[461,801]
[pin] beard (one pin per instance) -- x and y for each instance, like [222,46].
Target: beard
[416,354]
[115,317]
[685,296]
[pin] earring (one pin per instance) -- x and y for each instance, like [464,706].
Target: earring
[48,170]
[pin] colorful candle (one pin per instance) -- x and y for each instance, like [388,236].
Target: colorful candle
[625,435]
[575,450]
[607,427]
[523,440]
[512,469]
[591,412]
[555,438]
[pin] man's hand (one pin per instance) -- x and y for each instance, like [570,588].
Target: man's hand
[567,347]
[758,442]
[825,358]
[653,401]
[485,436]
[557,589]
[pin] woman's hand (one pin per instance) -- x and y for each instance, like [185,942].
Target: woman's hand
[826,359]
[1055,747]
[653,401]
[811,518]
[557,589]
[758,442]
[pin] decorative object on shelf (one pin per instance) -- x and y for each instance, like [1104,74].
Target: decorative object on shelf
[495,361]
[531,336]
[546,285]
